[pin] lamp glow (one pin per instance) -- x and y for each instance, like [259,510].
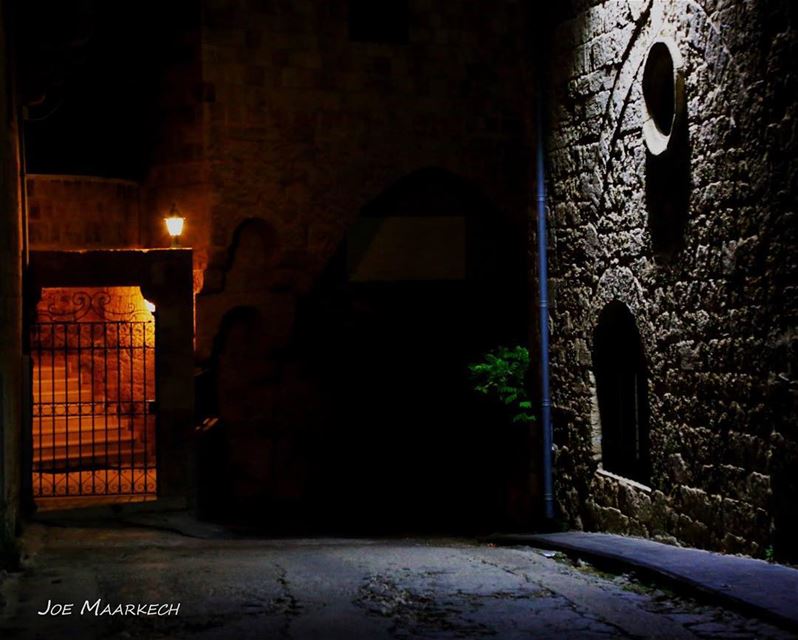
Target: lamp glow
[174,225]
[149,306]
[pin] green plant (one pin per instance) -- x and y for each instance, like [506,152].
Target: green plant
[770,554]
[502,374]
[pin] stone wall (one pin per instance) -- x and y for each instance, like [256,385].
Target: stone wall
[83,212]
[284,119]
[699,243]
[282,129]
[179,173]
[10,299]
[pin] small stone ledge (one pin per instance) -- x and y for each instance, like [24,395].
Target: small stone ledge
[603,473]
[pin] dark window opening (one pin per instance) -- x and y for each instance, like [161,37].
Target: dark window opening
[666,135]
[658,87]
[622,390]
[386,21]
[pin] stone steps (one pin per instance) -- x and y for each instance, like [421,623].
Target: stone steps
[63,424]
[122,454]
[71,441]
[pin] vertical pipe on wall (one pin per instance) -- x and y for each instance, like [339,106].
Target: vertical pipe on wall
[543,304]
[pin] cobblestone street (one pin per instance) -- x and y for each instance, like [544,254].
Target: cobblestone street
[335,588]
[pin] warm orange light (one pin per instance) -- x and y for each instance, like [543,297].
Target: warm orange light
[174,224]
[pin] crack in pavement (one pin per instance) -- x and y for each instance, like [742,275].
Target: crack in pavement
[286,605]
[392,590]
[413,614]
[591,599]
[570,603]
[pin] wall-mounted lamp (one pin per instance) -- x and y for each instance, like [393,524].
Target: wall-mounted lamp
[174,225]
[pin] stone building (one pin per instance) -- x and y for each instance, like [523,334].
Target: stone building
[672,195]
[302,140]
[355,191]
[356,187]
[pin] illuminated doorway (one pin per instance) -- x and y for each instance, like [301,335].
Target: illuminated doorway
[93,406]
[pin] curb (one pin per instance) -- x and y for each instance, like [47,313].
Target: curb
[676,579]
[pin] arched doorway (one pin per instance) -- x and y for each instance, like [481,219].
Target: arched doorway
[431,275]
[622,393]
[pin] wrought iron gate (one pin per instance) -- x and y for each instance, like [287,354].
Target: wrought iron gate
[93,390]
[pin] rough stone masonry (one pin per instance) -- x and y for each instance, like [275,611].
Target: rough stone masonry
[715,306]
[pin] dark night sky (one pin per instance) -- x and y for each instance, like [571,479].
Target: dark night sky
[99,63]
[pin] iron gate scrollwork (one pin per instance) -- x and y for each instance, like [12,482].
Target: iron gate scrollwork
[68,305]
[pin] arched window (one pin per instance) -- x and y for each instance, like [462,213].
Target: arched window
[622,392]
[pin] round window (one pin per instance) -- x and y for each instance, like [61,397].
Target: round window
[658,87]
[662,94]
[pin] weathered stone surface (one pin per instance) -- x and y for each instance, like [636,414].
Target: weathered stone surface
[300,127]
[276,122]
[83,212]
[716,314]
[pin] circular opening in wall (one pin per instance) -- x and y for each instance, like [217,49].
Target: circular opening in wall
[666,137]
[663,95]
[659,87]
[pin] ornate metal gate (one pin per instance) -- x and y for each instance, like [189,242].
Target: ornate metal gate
[93,394]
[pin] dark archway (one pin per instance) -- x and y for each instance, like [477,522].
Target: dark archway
[429,277]
[622,390]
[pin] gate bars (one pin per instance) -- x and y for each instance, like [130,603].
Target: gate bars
[93,386]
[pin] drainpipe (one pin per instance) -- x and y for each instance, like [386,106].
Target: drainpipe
[543,303]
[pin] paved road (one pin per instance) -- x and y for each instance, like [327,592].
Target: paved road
[336,589]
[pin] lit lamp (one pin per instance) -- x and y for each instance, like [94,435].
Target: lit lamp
[174,225]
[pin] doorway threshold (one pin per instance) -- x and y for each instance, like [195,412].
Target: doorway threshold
[63,503]
[103,508]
